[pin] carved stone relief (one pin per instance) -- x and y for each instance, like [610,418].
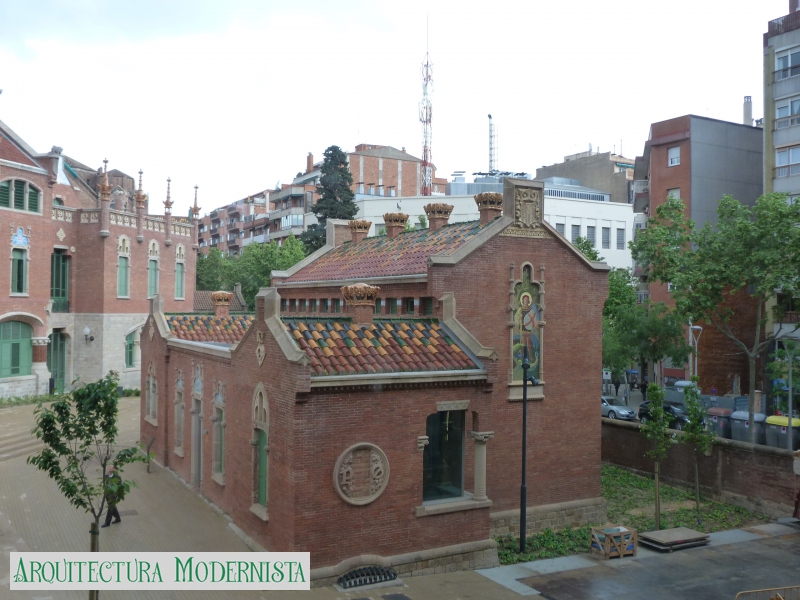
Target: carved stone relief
[361,474]
[260,351]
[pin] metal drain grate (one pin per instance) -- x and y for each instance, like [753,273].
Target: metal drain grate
[366,576]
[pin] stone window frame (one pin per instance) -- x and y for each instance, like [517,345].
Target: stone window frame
[153,255]
[136,332]
[515,387]
[20,241]
[180,259]
[218,425]
[151,396]
[260,422]
[467,501]
[180,407]
[124,251]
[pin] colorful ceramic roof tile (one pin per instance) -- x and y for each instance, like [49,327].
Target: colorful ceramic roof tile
[208,328]
[340,347]
[405,254]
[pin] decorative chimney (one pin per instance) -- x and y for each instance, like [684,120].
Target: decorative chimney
[359,229]
[104,188]
[438,214]
[309,163]
[141,198]
[490,206]
[395,223]
[195,219]
[168,216]
[747,116]
[222,303]
[360,301]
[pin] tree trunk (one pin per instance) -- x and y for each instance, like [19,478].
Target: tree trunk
[751,403]
[696,484]
[94,531]
[658,498]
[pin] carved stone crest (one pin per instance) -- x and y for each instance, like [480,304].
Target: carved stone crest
[152,329]
[61,235]
[260,351]
[361,474]
[527,207]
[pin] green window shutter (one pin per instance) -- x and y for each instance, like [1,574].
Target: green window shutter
[16,350]
[129,347]
[122,276]
[33,199]
[19,195]
[152,278]
[179,280]
[18,271]
[5,194]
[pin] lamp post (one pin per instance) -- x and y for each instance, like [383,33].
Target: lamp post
[523,491]
[696,341]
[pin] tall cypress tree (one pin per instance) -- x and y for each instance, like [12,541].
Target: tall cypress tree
[335,197]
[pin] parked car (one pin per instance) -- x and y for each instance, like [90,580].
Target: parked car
[613,408]
[675,412]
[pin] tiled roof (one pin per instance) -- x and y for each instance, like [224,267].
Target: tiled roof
[10,152]
[203,303]
[405,254]
[339,347]
[208,328]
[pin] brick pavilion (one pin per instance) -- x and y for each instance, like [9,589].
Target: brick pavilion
[369,411]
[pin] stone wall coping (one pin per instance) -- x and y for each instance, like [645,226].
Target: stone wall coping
[199,347]
[448,301]
[428,510]
[332,283]
[401,559]
[736,444]
[546,508]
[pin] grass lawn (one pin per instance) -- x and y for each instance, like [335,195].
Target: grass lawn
[631,502]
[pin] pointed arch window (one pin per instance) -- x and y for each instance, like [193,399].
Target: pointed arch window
[152,268]
[123,267]
[260,444]
[151,397]
[180,272]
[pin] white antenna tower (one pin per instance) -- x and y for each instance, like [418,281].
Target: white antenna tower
[425,114]
[492,151]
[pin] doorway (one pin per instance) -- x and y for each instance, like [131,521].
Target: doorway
[56,360]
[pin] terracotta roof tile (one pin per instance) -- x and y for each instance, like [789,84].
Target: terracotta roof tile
[385,346]
[405,254]
[208,328]
[203,303]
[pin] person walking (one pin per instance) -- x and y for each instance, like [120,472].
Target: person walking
[644,389]
[616,385]
[115,480]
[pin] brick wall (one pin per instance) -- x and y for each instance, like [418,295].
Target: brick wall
[756,477]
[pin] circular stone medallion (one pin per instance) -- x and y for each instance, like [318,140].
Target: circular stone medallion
[361,474]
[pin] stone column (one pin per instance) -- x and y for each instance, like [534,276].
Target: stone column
[480,438]
[141,198]
[105,202]
[168,216]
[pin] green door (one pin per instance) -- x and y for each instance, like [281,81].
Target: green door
[262,467]
[59,281]
[56,359]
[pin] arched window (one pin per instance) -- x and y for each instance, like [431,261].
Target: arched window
[152,269]
[20,246]
[218,430]
[123,267]
[443,456]
[16,349]
[20,195]
[180,272]
[151,398]
[180,407]
[260,443]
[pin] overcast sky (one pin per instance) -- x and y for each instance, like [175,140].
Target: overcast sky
[233,95]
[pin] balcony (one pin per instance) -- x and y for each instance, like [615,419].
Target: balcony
[787,171]
[213,230]
[290,192]
[235,226]
[642,296]
[234,209]
[257,239]
[789,316]
[276,215]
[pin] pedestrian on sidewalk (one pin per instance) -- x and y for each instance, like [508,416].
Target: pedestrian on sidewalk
[616,385]
[113,497]
[644,389]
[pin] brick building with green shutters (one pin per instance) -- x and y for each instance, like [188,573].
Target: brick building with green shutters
[83,257]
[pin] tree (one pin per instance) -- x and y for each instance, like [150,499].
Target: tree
[423,222]
[695,432]
[335,197]
[79,432]
[654,428]
[210,270]
[587,248]
[752,251]
[253,267]
[622,287]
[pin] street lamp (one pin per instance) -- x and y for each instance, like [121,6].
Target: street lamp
[87,334]
[523,492]
[696,341]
